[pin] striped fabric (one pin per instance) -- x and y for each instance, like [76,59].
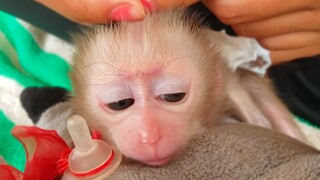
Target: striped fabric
[28,57]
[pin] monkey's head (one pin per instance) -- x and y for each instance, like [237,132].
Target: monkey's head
[148,86]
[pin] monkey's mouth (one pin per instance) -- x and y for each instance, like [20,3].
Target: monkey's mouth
[157,161]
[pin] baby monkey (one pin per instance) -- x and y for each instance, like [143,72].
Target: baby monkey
[150,86]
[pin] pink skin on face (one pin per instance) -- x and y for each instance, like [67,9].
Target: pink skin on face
[153,149]
[151,137]
[151,130]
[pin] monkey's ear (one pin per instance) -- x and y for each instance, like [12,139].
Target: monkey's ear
[240,52]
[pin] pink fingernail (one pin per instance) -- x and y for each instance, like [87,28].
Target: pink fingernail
[127,12]
[148,4]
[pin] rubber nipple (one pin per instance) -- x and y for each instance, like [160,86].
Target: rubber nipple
[90,157]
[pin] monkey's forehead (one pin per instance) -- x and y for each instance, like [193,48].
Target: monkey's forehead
[161,32]
[164,41]
[148,54]
[142,38]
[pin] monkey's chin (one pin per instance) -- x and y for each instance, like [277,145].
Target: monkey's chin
[157,162]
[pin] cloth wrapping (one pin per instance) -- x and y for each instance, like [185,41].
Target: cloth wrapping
[28,57]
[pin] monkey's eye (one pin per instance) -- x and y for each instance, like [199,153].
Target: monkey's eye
[175,97]
[121,105]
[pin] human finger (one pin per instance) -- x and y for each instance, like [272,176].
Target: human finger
[282,24]
[291,41]
[278,57]
[97,11]
[245,11]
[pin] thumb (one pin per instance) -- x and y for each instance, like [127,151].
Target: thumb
[97,11]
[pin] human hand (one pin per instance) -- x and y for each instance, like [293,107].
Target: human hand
[101,11]
[289,30]
[96,11]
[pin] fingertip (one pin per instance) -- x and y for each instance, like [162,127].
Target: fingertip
[267,44]
[137,13]
[127,12]
[240,30]
[225,10]
[148,4]
[99,11]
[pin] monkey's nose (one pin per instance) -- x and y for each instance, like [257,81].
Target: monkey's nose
[149,137]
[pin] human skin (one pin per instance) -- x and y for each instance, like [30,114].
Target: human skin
[289,31]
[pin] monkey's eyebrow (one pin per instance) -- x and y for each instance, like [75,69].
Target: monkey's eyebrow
[173,79]
[164,82]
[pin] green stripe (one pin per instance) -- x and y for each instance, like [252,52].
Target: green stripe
[49,68]
[10,148]
[8,70]
[9,51]
[306,122]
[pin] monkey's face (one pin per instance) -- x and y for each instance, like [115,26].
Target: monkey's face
[147,86]
[146,112]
